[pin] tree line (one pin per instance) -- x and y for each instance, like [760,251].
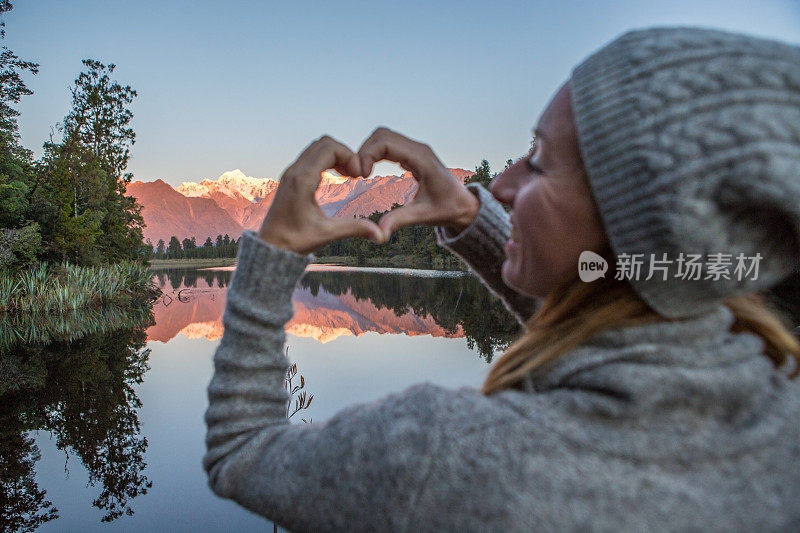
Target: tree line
[70,204]
[223,246]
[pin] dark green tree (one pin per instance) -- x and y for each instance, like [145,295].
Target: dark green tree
[12,89]
[483,174]
[19,237]
[82,176]
[100,117]
[174,248]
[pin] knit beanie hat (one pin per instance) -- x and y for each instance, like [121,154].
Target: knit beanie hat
[691,142]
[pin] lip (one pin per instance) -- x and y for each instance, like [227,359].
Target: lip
[510,246]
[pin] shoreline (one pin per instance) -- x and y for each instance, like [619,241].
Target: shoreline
[160,264]
[328,267]
[400,264]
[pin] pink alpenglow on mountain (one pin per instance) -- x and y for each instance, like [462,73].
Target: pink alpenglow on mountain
[167,212]
[235,202]
[234,192]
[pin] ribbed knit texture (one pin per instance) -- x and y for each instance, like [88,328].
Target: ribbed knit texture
[691,141]
[677,426]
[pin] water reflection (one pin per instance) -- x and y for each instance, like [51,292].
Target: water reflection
[72,376]
[329,305]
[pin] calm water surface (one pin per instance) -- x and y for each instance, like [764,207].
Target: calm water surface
[102,411]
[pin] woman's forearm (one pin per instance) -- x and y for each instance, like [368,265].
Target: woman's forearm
[247,393]
[305,476]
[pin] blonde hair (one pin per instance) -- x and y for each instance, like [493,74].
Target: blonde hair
[575,311]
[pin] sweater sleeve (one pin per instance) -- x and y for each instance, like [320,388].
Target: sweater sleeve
[365,467]
[481,246]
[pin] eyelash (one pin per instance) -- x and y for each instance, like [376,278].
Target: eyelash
[528,163]
[531,167]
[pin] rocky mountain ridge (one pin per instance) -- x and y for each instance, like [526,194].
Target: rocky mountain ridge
[235,202]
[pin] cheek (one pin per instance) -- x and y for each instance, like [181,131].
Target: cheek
[541,217]
[558,223]
[538,216]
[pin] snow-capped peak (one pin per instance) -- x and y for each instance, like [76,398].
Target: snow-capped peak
[332,178]
[231,183]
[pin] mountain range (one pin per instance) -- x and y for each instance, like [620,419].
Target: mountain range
[235,202]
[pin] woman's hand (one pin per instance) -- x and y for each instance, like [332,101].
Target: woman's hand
[295,221]
[441,199]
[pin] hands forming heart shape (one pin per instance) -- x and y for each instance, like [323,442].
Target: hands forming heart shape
[296,222]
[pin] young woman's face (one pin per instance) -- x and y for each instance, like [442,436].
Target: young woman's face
[554,217]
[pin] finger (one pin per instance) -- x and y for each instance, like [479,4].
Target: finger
[400,217]
[340,228]
[351,169]
[322,154]
[386,144]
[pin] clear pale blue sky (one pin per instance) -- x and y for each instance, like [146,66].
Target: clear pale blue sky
[247,84]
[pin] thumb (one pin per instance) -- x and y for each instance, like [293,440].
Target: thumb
[341,228]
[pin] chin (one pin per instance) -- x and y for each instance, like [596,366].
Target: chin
[511,279]
[519,283]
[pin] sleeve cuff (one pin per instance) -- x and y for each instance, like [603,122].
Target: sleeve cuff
[490,226]
[263,271]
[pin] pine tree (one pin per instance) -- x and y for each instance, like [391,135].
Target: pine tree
[483,174]
[82,176]
[174,248]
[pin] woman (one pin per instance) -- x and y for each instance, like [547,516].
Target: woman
[657,401]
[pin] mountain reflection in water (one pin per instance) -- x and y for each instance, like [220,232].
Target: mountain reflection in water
[328,305]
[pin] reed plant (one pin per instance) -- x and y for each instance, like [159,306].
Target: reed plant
[59,288]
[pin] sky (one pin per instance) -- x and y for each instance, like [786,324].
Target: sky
[248,84]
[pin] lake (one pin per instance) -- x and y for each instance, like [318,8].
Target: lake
[102,410]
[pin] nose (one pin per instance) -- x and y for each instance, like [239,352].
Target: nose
[504,187]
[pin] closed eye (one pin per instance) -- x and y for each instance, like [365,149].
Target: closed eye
[533,167]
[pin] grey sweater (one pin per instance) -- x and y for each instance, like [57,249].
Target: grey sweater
[668,427]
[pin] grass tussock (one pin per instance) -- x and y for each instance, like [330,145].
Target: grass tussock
[60,288]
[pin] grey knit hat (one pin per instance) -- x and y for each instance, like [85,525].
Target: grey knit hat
[691,141]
